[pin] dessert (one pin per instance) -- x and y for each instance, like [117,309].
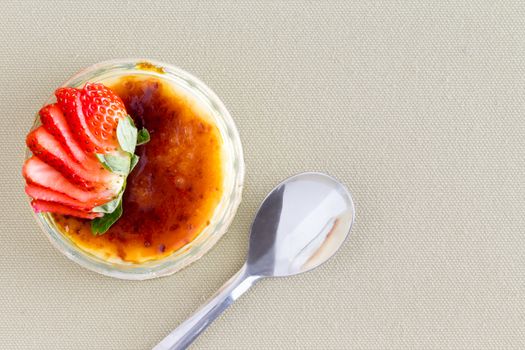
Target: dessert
[132,196]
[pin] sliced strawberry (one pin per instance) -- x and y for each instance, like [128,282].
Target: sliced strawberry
[40,206]
[54,121]
[50,150]
[64,175]
[93,115]
[69,101]
[102,109]
[48,195]
[46,147]
[39,173]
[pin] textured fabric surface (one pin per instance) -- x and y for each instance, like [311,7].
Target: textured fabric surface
[418,106]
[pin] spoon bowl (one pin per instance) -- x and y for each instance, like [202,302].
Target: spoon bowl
[299,226]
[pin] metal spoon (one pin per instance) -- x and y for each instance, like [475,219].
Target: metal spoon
[299,226]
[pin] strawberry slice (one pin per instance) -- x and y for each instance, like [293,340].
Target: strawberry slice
[69,101]
[54,121]
[47,148]
[48,195]
[40,206]
[39,173]
[93,114]
[102,109]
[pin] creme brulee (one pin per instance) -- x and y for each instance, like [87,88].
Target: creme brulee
[172,193]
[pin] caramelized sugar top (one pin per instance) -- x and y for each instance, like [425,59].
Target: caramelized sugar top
[174,189]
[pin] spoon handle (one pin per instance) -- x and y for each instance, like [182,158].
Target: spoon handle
[190,329]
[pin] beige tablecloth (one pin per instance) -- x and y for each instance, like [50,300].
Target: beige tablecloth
[418,106]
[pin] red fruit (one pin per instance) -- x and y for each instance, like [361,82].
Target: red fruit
[45,194]
[93,114]
[69,101]
[103,109]
[39,173]
[64,175]
[49,149]
[46,147]
[40,206]
[54,121]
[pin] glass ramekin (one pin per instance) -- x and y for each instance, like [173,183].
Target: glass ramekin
[233,167]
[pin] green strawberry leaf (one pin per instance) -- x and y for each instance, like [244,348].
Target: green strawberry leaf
[110,206]
[113,211]
[100,226]
[118,163]
[142,136]
[102,160]
[134,161]
[127,134]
